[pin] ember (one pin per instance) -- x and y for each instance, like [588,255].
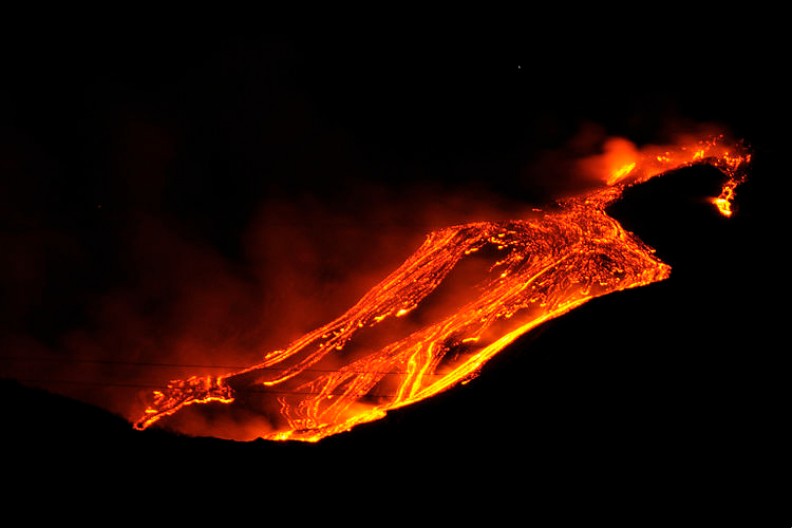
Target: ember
[413,336]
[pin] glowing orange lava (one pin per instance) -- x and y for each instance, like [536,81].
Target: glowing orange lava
[413,335]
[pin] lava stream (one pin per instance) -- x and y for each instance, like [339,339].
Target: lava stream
[412,336]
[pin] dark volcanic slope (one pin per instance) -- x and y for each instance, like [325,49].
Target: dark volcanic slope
[668,398]
[664,375]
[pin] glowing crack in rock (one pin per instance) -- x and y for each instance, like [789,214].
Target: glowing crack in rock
[412,336]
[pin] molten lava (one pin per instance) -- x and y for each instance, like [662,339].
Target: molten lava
[469,291]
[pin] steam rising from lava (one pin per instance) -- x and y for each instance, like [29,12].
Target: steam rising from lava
[467,291]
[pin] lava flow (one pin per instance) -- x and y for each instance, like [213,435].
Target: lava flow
[469,291]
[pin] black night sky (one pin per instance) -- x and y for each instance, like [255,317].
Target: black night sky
[137,159]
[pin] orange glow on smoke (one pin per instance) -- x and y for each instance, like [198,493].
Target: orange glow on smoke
[413,336]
